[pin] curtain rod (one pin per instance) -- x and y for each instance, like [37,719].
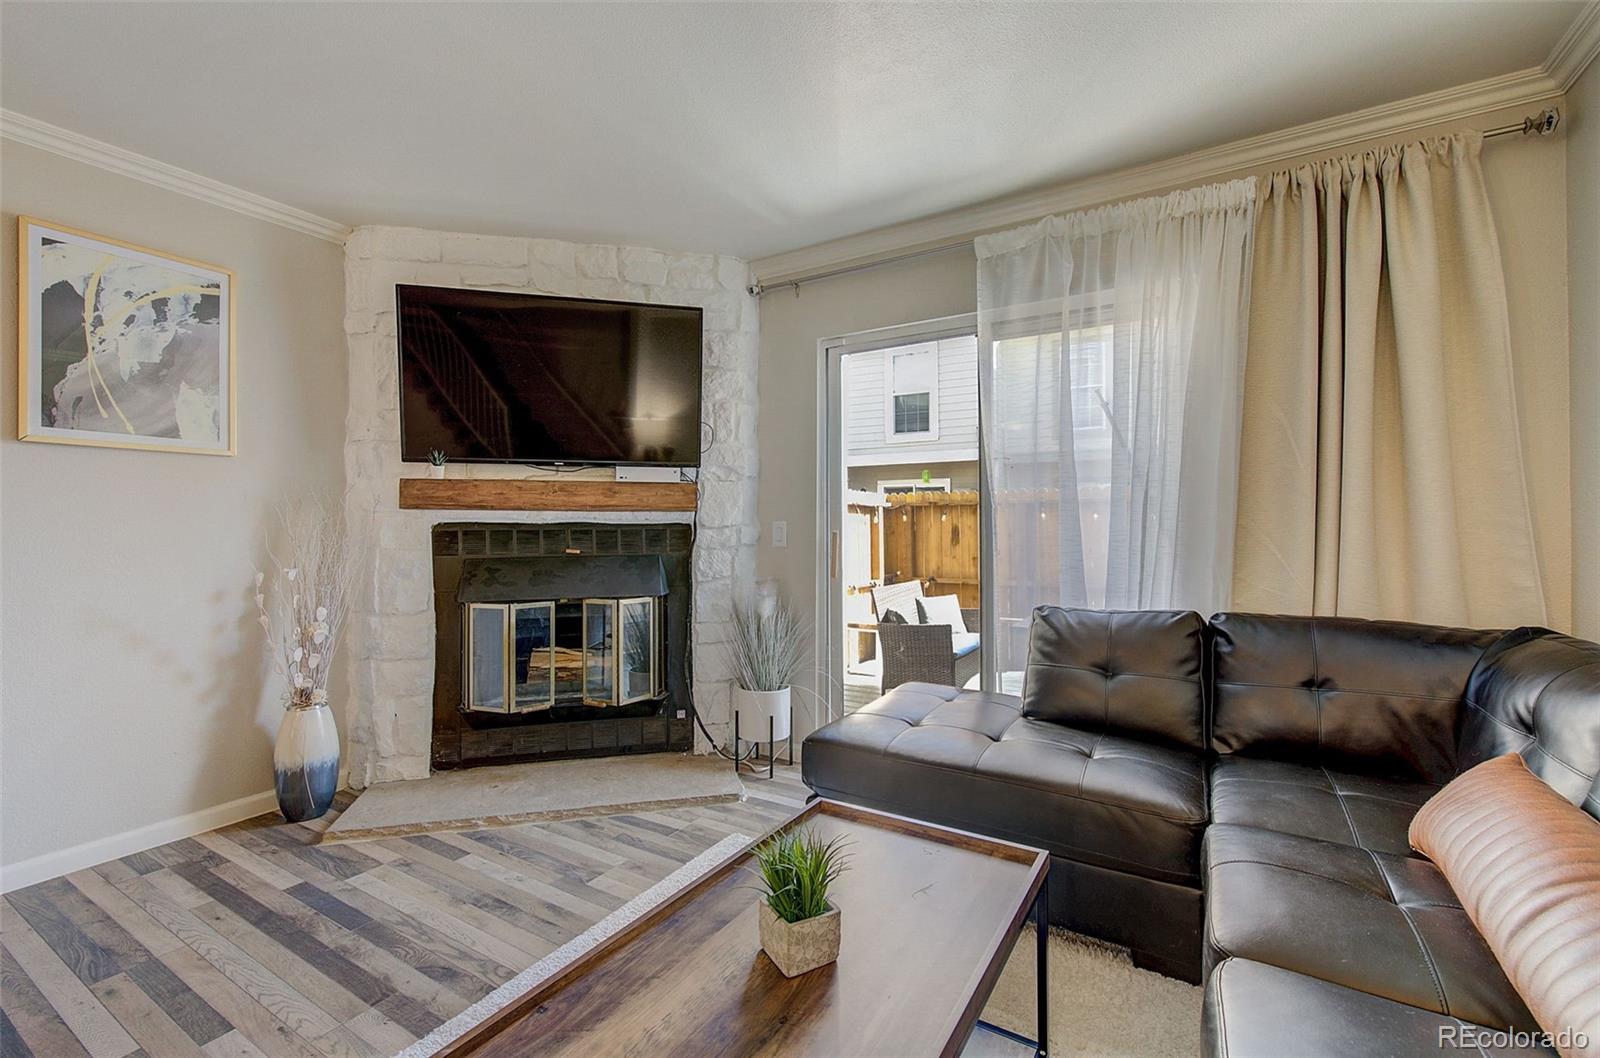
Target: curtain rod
[1541,124]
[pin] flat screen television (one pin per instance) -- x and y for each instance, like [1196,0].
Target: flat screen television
[495,377]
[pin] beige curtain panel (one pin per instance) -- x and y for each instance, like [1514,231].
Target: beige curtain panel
[1380,468]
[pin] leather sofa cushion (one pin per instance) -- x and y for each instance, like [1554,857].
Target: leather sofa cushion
[1253,1010]
[1364,811]
[970,759]
[1137,673]
[1383,924]
[1537,693]
[1373,696]
[1526,864]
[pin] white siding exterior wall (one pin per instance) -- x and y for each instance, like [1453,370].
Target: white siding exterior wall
[868,413]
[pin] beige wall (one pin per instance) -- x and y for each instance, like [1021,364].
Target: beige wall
[133,686]
[1583,268]
[1527,187]
[791,327]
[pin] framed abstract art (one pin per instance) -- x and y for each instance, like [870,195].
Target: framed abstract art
[120,345]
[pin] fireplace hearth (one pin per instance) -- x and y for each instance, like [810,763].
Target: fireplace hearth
[559,640]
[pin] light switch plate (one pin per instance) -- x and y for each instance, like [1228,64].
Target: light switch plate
[780,534]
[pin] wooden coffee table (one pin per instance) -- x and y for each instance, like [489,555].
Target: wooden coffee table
[929,917]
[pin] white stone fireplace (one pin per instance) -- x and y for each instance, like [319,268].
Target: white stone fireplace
[389,697]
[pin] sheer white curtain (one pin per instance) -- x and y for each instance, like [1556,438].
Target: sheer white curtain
[1111,356]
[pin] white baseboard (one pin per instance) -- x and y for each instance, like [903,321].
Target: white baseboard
[93,853]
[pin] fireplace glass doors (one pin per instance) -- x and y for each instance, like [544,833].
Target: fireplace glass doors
[533,656]
[527,657]
[599,637]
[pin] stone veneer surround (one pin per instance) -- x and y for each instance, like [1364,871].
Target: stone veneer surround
[389,687]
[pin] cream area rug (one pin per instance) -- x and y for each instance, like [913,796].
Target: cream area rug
[1100,1003]
[508,794]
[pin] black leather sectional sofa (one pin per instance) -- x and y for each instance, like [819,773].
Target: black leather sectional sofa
[1230,799]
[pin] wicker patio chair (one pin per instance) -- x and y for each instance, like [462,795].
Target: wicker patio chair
[918,653]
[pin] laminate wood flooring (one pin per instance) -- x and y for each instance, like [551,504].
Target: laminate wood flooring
[253,941]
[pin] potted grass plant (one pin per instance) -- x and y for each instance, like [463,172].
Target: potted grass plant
[768,650]
[799,925]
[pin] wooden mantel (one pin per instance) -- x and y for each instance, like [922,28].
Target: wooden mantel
[544,494]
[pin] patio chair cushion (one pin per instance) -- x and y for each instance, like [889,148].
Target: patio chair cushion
[942,610]
[898,598]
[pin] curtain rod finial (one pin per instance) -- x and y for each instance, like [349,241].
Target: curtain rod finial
[1543,123]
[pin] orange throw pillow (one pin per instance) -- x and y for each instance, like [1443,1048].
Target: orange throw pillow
[1525,864]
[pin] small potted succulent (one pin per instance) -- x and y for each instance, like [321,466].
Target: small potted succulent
[436,461]
[799,925]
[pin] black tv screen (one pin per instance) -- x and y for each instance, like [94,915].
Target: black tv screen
[495,377]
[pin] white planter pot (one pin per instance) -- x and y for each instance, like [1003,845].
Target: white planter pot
[435,472]
[755,708]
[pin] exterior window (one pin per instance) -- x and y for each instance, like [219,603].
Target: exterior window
[911,412]
[1032,369]
[913,391]
[1091,381]
[914,485]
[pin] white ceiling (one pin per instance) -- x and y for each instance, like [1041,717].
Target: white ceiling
[741,128]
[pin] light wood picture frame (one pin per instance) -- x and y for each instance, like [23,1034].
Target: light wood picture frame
[122,346]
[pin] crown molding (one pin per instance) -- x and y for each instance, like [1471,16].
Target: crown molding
[1521,88]
[19,128]
[1577,48]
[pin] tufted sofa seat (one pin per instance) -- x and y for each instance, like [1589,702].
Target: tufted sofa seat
[973,760]
[1101,762]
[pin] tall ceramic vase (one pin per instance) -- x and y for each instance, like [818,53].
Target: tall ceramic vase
[306,762]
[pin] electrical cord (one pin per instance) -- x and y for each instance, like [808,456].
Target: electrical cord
[694,534]
[553,468]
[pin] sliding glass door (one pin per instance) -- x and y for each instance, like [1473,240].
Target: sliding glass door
[900,514]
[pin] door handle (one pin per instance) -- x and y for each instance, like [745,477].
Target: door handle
[833,554]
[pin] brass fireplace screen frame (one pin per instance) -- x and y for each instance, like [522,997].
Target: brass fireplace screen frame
[613,632]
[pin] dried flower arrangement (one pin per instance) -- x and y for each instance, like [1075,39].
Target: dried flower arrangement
[303,598]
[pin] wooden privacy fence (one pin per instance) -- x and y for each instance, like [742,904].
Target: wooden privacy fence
[932,537]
